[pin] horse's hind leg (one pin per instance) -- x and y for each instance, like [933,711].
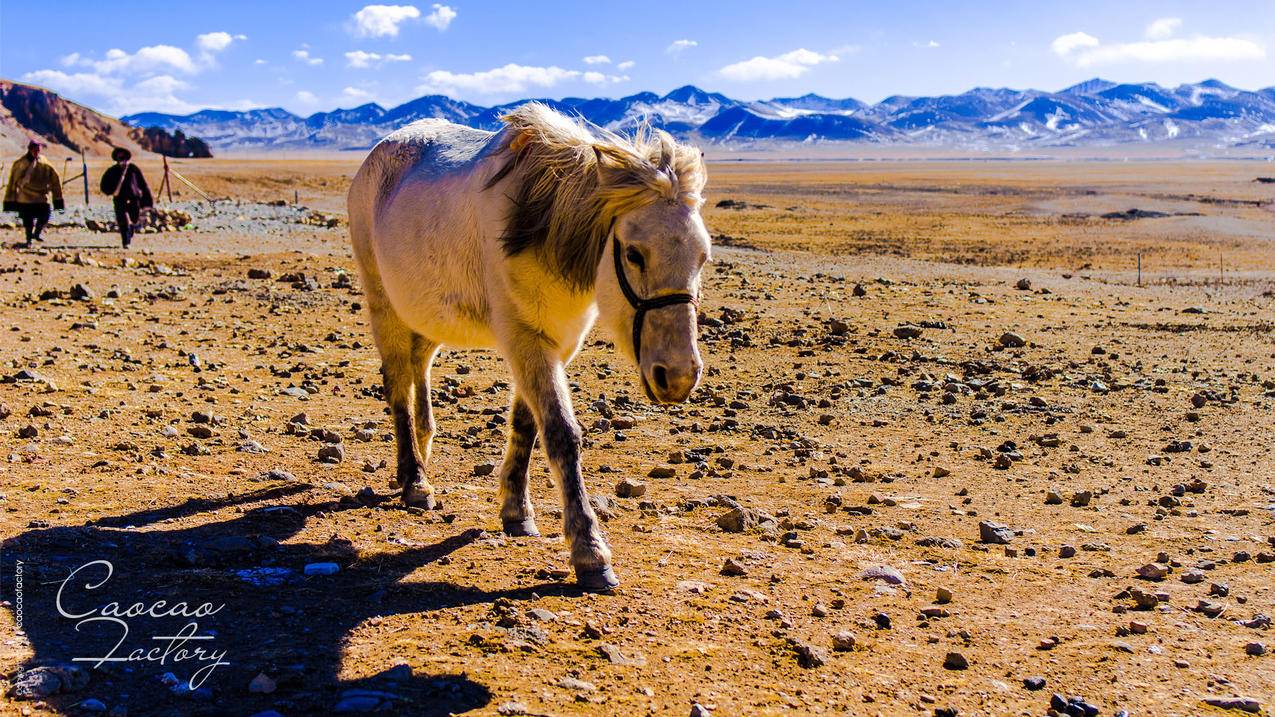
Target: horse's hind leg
[516,514]
[396,343]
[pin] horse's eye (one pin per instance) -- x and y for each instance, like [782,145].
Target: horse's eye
[635,258]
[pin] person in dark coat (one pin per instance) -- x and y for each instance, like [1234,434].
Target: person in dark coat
[124,182]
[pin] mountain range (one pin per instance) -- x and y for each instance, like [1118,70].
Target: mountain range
[1092,113]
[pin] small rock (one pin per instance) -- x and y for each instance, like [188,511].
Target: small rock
[1243,704]
[1011,340]
[843,641]
[332,453]
[629,488]
[808,655]
[955,661]
[994,533]
[262,684]
[322,569]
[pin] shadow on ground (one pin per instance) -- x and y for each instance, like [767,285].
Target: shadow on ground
[275,620]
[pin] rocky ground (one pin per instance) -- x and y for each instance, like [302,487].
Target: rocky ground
[905,487]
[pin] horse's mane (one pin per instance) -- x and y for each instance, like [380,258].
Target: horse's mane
[574,178]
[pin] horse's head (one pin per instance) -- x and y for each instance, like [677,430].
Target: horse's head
[648,286]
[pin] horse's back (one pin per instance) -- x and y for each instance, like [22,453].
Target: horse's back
[418,217]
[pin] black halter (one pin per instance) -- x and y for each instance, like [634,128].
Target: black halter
[640,305]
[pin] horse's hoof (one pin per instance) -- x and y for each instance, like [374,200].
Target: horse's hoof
[521,528]
[416,498]
[597,580]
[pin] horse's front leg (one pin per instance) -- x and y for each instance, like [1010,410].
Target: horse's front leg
[542,382]
[517,517]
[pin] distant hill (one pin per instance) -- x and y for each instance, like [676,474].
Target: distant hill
[1093,113]
[27,111]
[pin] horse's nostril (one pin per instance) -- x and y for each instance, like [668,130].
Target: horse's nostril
[661,377]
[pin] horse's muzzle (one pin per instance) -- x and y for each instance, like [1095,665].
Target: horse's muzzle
[666,383]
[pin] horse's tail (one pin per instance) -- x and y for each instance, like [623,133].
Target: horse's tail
[367,192]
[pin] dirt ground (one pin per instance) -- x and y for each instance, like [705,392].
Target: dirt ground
[809,540]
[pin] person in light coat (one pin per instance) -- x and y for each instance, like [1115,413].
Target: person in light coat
[31,181]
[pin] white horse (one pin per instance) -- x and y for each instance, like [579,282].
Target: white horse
[474,239]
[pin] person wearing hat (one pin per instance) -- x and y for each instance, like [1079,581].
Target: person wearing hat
[31,181]
[125,183]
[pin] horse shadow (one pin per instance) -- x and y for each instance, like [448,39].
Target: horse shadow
[274,619]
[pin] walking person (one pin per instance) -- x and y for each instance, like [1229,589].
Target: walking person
[31,181]
[124,182]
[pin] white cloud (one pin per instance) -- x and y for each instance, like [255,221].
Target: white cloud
[155,58]
[678,46]
[113,95]
[930,44]
[787,66]
[1083,50]
[355,93]
[1163,28]
[383,20]
[1065,44]
[511,78]
[258,61]
[600,78]
[363,60]
[627,64]
[441,17]
[217,41]
[307,97]
[597,60]
[78,83]
[121,82]
[303,55]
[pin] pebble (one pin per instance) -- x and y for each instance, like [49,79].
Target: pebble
[332,453]
[1255,649]
[41,682]
[1034,683]
[734,568]
[884,573]
[629,488]
[808,655]
[994,533]
[699,710]
[484,469]
[1011,340]
[1154,571]
[955,661]
[322,569]
[262,684]
[907,331]
[1243,704]
[843,641]
[943,596]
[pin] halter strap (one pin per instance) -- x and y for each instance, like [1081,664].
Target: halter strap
[640,305]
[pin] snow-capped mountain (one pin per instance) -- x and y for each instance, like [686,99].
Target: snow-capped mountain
[1093,112]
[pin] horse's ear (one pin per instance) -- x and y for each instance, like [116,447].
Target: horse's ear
[606,159]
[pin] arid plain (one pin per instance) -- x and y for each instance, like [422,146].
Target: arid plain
[951,456]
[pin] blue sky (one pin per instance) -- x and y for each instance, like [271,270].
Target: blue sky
[318,55]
